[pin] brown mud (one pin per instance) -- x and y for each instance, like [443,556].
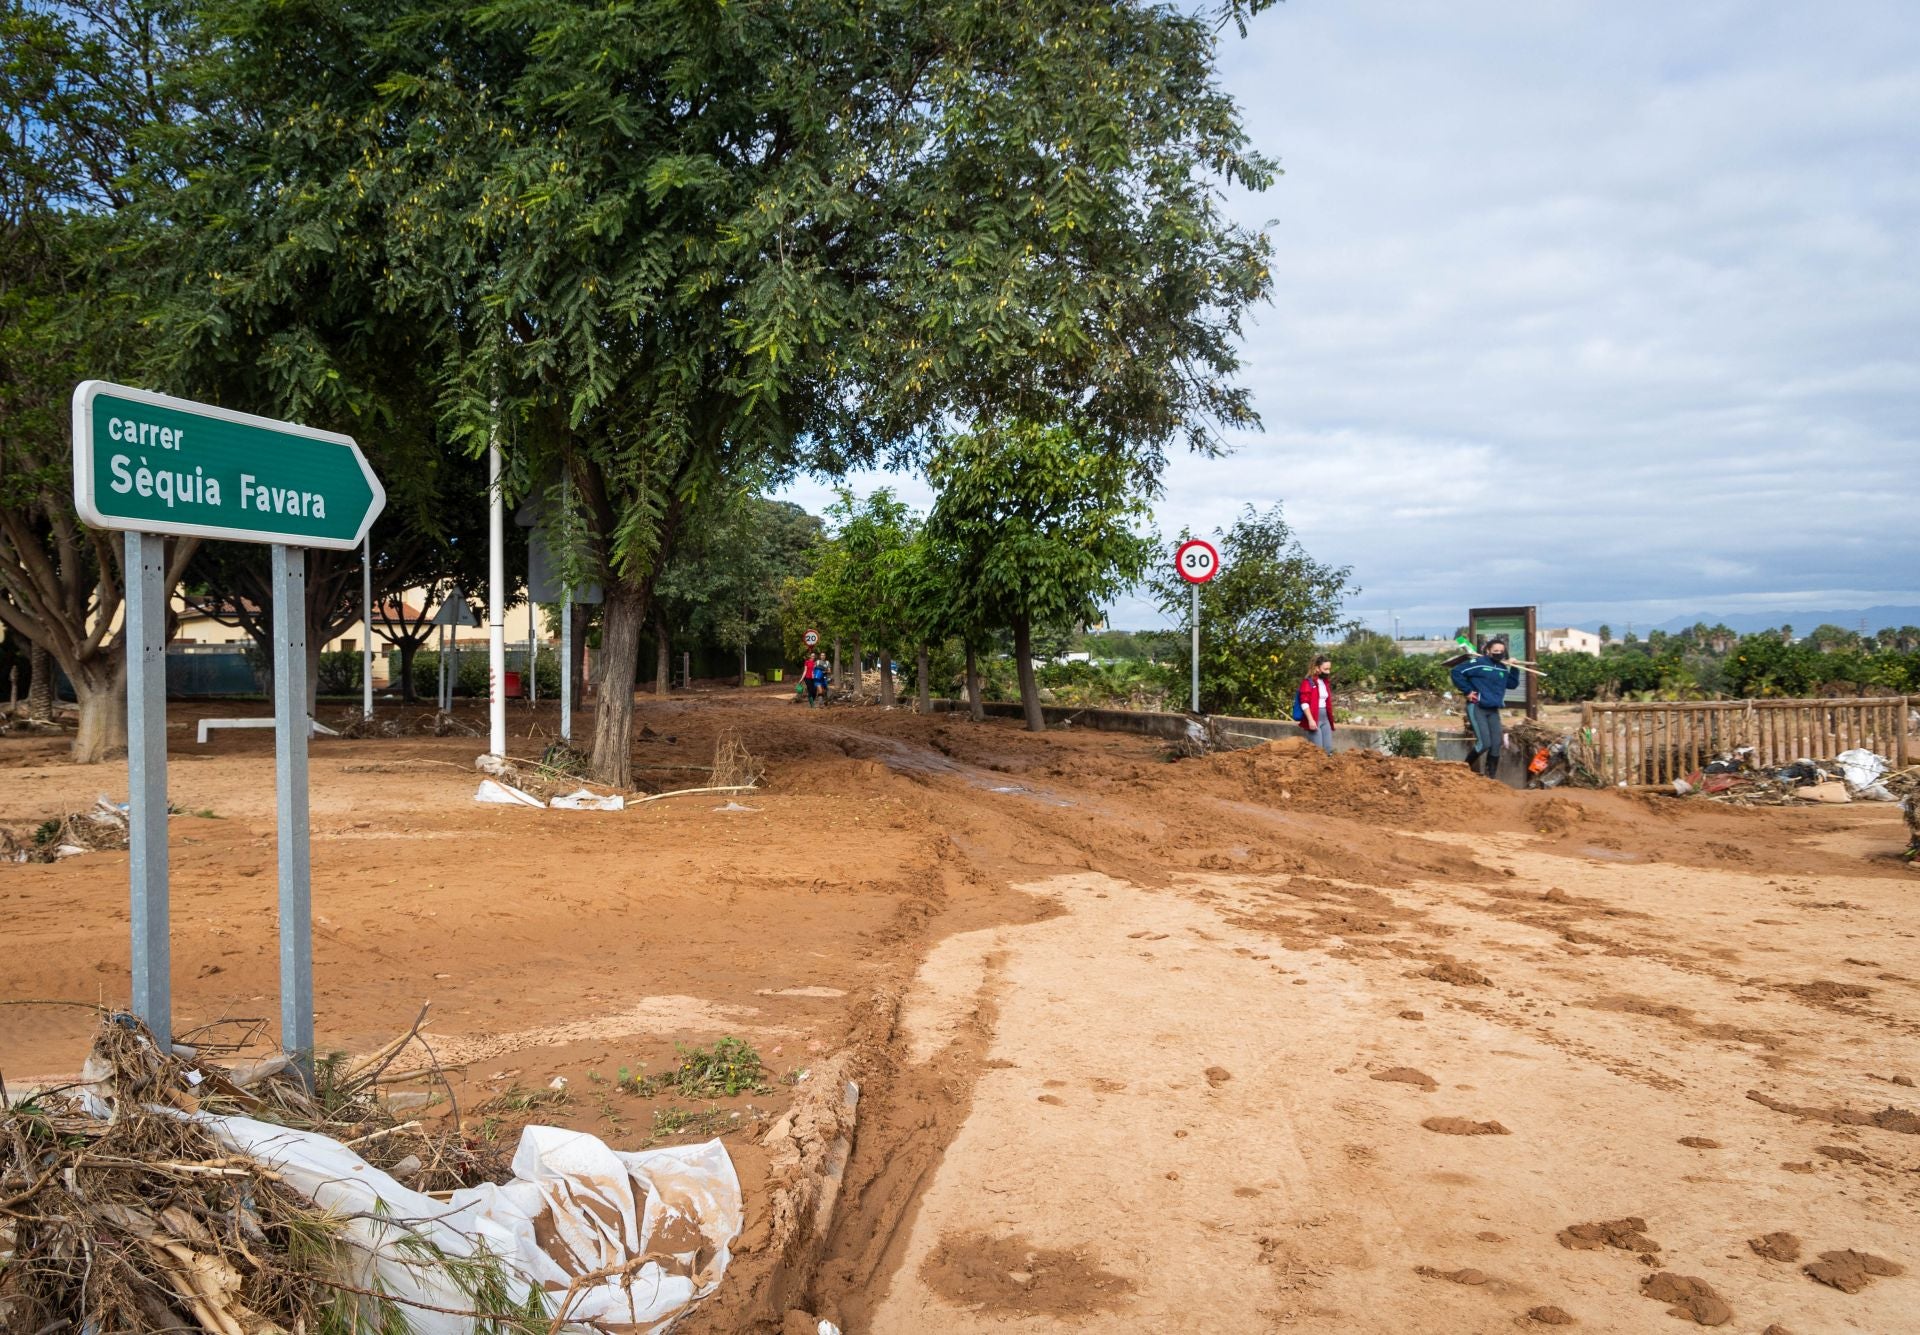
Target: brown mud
[1138,1018]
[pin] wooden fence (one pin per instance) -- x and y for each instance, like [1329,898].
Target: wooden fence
[1660,742]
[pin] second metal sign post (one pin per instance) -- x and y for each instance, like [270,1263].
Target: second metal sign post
[1196,561]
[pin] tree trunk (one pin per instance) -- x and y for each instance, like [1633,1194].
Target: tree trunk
[976,707]
[663,654]
[743,667]
[1029,685]
[408,648]
[626,615]
[101,691]
[836,660]
[859,680]
[886,677]
[925,692]
[40,688]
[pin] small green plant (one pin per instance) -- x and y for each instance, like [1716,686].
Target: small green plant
[1407,743]
[46,833]
[645,1086]
[730,1067]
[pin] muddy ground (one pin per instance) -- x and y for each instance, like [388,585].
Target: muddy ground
[1262,1041]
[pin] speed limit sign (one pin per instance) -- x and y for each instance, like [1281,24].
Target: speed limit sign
[1197,561]
[811,638]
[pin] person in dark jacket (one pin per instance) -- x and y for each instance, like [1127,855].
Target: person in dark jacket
[1484,680]
[1313,705]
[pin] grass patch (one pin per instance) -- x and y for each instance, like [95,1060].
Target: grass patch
[677,1121]
[726,1070]
[519,1099]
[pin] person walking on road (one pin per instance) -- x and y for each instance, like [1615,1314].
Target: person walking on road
[1313,705]
[817,679]
[1484,680]
[812,683]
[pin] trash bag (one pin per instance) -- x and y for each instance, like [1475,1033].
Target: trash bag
[1800,773]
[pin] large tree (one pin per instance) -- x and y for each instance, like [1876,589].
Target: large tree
[1043,526]
[685,244]
[79,86]
[724,583]
[679,246]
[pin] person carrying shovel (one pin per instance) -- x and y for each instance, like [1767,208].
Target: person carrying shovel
[1484,679]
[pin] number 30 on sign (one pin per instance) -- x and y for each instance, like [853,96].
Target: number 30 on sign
[1197,561]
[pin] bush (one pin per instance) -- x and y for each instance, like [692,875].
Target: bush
[1132,684]
[1409,743]
[472,669]
[339,672]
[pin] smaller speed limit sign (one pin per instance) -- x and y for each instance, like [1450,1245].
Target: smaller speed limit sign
[1197,561]
[811,638]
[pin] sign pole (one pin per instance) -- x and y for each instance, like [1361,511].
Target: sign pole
[496,595]
[366,611]
[291,730]
[566,665]
[1196,648]
[146,648]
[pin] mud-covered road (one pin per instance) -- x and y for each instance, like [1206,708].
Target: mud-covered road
[1256,1041]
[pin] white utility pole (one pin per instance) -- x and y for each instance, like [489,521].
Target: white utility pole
[496,595]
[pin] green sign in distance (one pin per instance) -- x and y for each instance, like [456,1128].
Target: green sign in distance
[157,464]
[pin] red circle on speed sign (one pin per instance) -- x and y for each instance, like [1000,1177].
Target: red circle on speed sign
[811,638]
[1197,561]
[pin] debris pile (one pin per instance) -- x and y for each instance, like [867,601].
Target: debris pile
[1852,776]
[164,1193]
[102,826]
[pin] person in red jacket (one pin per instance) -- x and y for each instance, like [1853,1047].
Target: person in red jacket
[1313,705]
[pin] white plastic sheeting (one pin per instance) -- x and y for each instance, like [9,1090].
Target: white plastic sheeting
[664,1219]
[505,794]
[1863,771]
[588,800]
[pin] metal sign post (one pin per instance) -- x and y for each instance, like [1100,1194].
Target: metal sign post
[366,612]
[1196,561]
[150,464]
[146,641]
[546,583]
[1196,649]
[290,790]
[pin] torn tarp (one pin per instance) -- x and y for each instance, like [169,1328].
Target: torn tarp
[661,1222]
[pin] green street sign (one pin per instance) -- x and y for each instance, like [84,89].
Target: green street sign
[156,464]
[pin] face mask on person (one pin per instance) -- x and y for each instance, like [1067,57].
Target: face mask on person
[1498,652]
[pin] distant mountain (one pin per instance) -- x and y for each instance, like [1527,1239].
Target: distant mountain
[1746,623]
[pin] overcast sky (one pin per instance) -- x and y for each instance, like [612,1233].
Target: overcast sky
[1609,307]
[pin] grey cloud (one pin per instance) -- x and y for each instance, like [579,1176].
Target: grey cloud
[1607,307]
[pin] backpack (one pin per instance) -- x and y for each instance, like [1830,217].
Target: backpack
[1299,713]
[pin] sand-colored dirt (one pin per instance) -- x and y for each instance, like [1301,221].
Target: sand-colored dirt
[1142,1044]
